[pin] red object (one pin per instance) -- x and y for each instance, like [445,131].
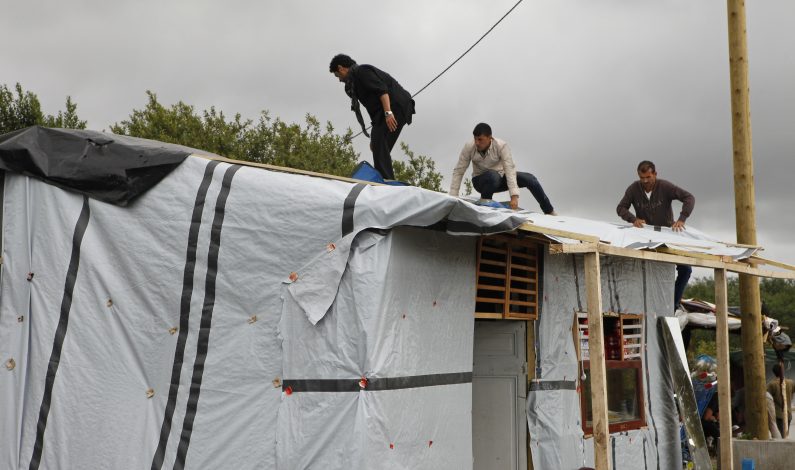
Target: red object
[391,446]
[709,385]
[430,443]
[363,383]
[288,390]
[293,277]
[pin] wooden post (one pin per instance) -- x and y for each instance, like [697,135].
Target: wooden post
[598,371]
[724,378]
[745,220]
[530,344]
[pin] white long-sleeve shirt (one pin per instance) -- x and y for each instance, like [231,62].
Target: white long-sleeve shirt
[497,157]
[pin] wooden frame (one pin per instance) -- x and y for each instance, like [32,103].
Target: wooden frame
[637,366]
[507,278]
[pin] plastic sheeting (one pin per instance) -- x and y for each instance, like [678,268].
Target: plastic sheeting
[553,412]
[148,336]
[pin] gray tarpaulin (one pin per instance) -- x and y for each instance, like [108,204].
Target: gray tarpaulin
[556,437]
[148,336]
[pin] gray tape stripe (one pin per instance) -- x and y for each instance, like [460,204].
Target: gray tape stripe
[646,362]
[208,305]
[549,385]
[184,312]
[375,383]
[348,207]
[60,333]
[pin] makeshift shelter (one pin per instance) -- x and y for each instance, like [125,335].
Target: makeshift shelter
[160,306]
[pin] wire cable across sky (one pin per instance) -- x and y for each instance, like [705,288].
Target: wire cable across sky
[459,57]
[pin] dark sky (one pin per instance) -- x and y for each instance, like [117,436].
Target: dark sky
[581,89]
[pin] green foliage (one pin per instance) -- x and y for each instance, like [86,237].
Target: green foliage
[180,124]
[21,110]
[420,170]
[467,186]
[307,147]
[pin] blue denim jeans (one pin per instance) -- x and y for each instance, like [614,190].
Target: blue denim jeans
[491,182]
[683,272]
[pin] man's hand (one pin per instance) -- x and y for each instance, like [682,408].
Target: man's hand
[391,123]
[515,202]
[678,226]
[639,223]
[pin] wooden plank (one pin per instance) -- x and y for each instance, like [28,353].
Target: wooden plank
[736,267]
[694,254]
[283,169]
[531,227]
[522,303]
[489,300]
[489,262]
[491,249]
[523,279]
[490,315]
[490,287]
[598,370]
[778,264]
[491,275]
[722,339]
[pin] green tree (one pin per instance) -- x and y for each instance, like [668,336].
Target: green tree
[23,109]
[309,146]
[181,124]
[419,170]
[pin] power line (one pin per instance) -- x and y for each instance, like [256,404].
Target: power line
[459,57]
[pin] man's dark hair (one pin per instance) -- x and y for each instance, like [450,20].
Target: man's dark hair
[777,370]
[340,59]
[645,166]
[482,129]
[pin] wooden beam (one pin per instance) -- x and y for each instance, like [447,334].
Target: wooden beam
[531,227]
[282,169]
[695,254]
[601,432]
[669,258]
[745,220]
[724,378]
[778,264]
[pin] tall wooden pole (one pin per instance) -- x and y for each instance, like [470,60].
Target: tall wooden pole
[598,370]
[724,378]
[745,220]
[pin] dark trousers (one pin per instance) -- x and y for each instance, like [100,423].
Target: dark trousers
[491,182]
[683,272]
[381,143]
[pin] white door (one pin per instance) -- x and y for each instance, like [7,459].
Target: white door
[499,393]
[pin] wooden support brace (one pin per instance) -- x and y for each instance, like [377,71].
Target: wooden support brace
[598,370]
[724,378]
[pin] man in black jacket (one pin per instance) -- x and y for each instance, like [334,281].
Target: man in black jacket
[390,106]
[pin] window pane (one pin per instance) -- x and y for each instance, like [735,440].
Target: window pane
[623,404]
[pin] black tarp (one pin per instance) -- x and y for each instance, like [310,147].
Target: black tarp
[107,167]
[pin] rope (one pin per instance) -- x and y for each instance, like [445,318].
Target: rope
[459,58]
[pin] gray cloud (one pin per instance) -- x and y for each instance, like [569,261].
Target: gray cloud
[581,90]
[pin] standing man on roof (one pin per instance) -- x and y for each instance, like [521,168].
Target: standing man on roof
[389,105]
[493,170]
[651,199]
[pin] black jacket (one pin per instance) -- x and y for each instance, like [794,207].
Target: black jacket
[369,83]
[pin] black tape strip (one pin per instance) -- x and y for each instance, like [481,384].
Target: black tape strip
[375,383]
[613,444]
[184,313]
[457,226]
[348,207]
[576,282]
[549,385]
[207,317]
[645,463]
[60,332]
[612,269]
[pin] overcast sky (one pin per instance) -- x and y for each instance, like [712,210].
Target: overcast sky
[582,90]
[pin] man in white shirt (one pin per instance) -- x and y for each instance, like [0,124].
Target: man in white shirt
[493,170]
